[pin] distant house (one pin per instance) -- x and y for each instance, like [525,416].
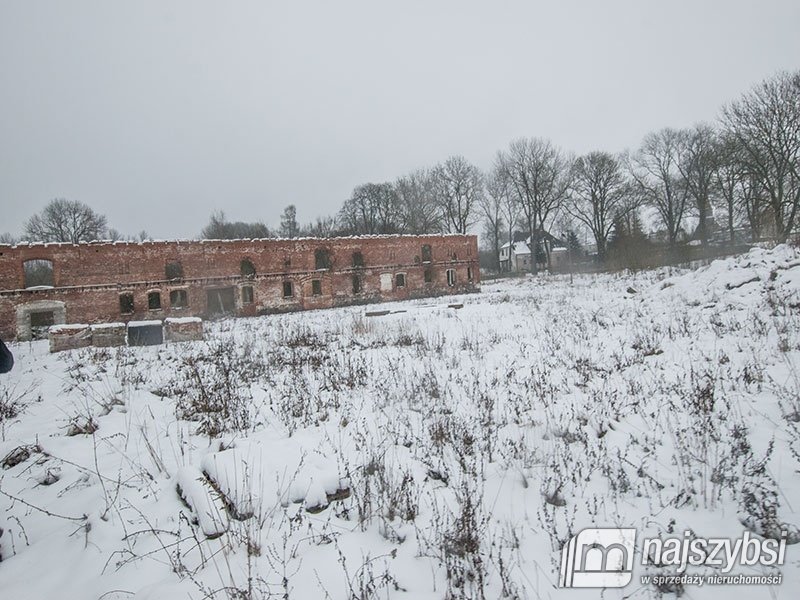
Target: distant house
[559,258]
[516,257]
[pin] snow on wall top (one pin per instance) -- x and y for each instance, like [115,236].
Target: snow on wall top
[101,326]
[144,323]
[180,320]
[66,328]
[30,244]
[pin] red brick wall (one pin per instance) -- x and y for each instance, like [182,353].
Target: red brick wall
[177,330]
[90,277]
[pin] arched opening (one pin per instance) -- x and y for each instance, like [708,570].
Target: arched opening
[154,300]
[173,270]
[126,303]
[427,255]
[322,258]
[38,272]
[247,268]
[178,299]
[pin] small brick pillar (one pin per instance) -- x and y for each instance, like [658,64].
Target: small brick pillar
[69,337]
[185,329]
[108,335]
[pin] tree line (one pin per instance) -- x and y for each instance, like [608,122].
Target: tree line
[743,170]
[739,173]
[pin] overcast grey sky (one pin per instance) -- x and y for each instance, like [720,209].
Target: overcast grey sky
[157,113]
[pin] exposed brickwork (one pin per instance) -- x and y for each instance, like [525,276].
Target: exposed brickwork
[89,278]
[69,337]
[183,330]
[109,335]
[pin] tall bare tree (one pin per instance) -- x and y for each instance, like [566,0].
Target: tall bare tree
[510,211]
[698,164]
[739,190]
[457,186]
[65,220]
[728,175]
[599,193]
[655,172]
[499,180]
[219,228]
[322,227]
[538,173]
[373,208]
[755,205]
[418,203]
[493,204]
[766,123]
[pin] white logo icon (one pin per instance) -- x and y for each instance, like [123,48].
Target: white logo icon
[598,558]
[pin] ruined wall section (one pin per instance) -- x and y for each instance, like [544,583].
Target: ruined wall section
[89,279]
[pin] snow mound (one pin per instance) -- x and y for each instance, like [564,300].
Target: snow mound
[739,280]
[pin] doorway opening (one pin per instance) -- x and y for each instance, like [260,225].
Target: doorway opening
[220,301]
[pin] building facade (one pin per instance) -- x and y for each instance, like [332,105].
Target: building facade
[100,282]
[516,257]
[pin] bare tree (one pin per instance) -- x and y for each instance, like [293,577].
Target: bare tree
[457,186]
[417,203]
[538,173]
[756,207]
[739,190]
[215,229]
[659,181]
[7,238]
[698,166]
[322,227]
[729,173]
[289,228]
[492,205]
[510,206]
[373,208]
[599,193]
[65,220]
[766,124]
[219,228]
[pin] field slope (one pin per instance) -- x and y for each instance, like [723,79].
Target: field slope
[433,452]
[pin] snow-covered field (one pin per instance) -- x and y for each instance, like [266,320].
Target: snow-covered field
[429,453]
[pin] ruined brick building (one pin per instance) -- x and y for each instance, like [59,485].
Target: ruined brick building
[98,282]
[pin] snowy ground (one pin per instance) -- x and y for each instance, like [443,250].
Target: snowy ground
[428,453]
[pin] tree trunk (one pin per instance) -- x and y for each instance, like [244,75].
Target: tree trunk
[730,222]
[601,248]
[702,225]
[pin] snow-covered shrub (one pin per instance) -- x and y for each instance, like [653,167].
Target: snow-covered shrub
[213,389]
[14,398]
[387,494]
[759,501]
